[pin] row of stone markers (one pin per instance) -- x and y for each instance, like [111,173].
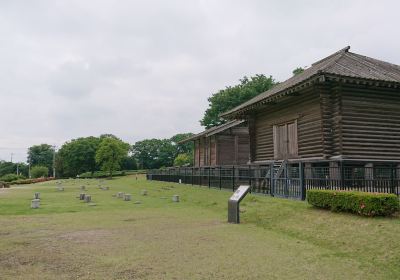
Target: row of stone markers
[35,203]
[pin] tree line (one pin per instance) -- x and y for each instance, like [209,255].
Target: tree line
[109,153]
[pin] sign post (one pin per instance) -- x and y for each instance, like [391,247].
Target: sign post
[233,204]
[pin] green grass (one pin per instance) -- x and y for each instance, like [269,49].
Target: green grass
[159,239]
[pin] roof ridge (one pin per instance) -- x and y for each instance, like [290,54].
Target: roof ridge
[342,51]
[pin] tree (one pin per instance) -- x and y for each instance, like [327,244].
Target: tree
[297,71]
[41,155]
[233,96]
[129,163]
[7,167]
[154,153]
[184,148]
[183,160]
[39,171]
[110,153]
[77,156]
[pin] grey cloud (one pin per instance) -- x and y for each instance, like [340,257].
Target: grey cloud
[143,69]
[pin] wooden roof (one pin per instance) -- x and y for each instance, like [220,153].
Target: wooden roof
[342,64]
[213,130]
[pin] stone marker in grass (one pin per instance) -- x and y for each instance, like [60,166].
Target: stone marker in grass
[120,194]
[137,202]
[144,192]
[60,188]
[175,198]
[127,197]
[82,196]
[35,203]
[88,198]
[36,195]
[83,188]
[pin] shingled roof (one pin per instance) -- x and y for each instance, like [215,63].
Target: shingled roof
[342,63]
[213,130]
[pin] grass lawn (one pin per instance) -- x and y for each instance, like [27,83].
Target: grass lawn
[159,239]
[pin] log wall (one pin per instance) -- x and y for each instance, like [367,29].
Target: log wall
[225,148]
[305,108]
[370,122]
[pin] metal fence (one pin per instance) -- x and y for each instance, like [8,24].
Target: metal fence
[286,180]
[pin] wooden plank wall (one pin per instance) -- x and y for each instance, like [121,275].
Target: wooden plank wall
[306,109]
[196,153]
[213,151]
[226,150]
[202,153]
[370,122]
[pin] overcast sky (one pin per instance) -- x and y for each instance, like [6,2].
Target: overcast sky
[144,69]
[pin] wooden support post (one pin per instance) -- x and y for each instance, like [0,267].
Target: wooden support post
[369,177]
[233,178]
[342,181]
[334,175]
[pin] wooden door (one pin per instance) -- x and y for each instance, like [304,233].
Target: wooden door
[285,140]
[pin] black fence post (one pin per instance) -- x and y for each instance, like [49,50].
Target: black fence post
[192,174]
[233,178]
[302,183]
[249,177]
[392,179]
[272,183]
[220,178]
[286,173]
[209,177]
[342,175]
[201,176]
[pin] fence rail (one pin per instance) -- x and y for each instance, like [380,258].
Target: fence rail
[288,180]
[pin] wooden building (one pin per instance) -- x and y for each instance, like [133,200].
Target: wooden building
[345,107]
[227,144]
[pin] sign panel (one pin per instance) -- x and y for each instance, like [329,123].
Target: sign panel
[240,193]
[233,204]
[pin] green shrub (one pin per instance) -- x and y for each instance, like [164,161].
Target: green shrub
[39,171]
[362,203]
[11,177]
[31,181]
[101,174]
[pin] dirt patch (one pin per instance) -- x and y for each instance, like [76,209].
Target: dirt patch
[4,190]
[132,273]
[86,236]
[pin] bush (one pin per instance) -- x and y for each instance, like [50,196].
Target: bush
[100,174]
[39,171]
[11,177]
[362,203]
[31,181]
